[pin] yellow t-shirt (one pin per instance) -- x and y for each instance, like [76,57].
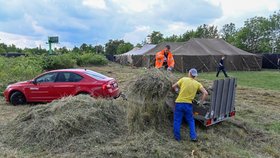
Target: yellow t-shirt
[188,89]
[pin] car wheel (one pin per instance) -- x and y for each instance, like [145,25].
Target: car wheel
[17,98]
[83,93]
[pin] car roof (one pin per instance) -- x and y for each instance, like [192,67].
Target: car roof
[76,70]
[69,70]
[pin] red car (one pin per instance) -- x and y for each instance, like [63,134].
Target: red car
[59,83]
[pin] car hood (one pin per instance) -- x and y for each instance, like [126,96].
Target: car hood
[19,83]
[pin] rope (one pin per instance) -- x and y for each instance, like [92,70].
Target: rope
[233,66]
[257,62]
[203,63]
[245,63]
[270,61]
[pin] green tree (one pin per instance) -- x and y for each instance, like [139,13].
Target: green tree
[228,33]
[84,48]
[99,49]
[173,38]
[63,50]
[187,36]
[240,38]
[35,51]
[112,46]
[255,35]
[76,50]
[13,48]
[3,48]
[275,32]
[124,47]
[206,31]
[156,37]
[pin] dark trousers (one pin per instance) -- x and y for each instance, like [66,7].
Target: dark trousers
[221,69]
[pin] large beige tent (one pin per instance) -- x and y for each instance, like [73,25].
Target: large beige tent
[204,54]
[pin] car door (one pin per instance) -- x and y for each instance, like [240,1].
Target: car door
[66,84]
[41,90]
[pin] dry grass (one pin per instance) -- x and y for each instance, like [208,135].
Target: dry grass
[82,127]
[72,123]
[147,96]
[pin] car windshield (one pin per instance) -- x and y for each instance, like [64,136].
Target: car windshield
[95,75]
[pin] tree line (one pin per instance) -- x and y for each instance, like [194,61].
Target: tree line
[257,35]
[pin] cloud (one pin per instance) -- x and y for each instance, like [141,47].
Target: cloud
[138,35]
[237,11]
[88,21]
[136,6]
[95,4]
[35,26]
[177,28]
[21,41]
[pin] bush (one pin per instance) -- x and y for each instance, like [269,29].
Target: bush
[58,62]
[19,69]
[91,59]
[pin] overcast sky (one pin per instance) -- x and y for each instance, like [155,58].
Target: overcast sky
[28,23]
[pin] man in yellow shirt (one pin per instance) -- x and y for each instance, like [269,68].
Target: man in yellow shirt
[183,107]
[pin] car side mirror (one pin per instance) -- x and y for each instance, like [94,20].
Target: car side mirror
[34,82]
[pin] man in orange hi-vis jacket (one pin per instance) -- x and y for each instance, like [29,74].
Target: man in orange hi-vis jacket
[164,59]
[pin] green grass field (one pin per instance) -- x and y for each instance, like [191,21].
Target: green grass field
[265,79]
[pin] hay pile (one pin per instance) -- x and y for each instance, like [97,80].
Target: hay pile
[148,94]
[152,86]
[74,123]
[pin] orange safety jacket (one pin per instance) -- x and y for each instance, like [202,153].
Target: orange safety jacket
[160,59]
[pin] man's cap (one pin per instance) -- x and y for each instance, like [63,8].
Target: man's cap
[167,46]
[193,72]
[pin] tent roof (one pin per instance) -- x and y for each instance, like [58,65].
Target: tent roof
[140,51]
[173,46]
[131,51]
[198,46]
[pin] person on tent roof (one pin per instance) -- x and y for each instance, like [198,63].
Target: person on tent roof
[164,59]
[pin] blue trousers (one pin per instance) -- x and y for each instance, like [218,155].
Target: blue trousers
[183,110]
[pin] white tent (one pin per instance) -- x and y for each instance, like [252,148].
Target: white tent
[127,58]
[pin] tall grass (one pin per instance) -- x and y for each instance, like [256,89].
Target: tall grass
[266,79]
